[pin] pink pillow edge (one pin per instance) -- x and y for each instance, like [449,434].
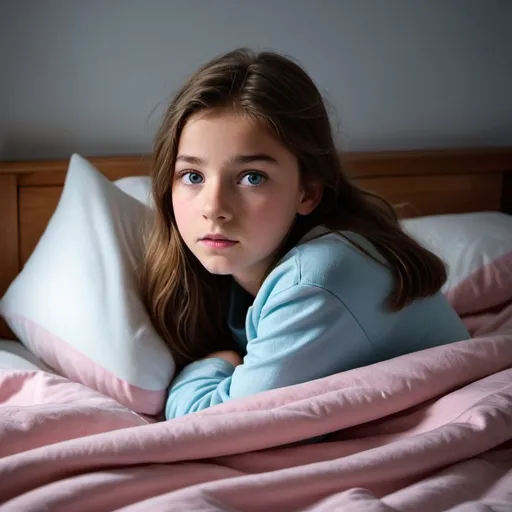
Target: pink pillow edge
[69,362]
[481,290]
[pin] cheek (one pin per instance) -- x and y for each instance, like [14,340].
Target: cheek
[182,211]
[277,211]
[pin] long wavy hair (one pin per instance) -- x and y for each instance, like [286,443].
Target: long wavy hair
[186,303]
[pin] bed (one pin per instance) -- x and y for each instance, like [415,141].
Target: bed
[427,431]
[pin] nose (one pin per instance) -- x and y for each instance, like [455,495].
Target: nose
[216,205]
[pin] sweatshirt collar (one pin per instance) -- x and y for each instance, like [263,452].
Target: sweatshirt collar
[315,232]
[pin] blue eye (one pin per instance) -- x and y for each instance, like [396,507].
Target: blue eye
[192,178]
[254,179]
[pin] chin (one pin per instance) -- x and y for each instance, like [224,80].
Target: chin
[220,270]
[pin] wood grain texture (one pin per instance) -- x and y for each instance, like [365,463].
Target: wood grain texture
[9,254]
[53,172]
[415,196]
[506,193]
[428,163]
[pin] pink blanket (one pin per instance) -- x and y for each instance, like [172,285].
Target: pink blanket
[424,432]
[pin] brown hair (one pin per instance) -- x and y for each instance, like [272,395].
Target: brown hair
[187,304]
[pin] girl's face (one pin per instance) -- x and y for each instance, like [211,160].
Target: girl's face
[235,194]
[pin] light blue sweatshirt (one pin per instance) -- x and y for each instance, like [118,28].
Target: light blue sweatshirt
[321,311]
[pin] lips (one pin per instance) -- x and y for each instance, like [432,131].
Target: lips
[217,242]
[217,238]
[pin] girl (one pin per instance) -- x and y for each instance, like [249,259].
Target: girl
[267,266]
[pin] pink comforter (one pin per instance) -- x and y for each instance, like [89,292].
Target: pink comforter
[424,432]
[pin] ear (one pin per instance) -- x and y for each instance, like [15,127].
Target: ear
[310,198]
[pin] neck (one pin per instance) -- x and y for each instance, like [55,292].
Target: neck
[251,286]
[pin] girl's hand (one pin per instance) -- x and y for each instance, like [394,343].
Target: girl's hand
[228,355]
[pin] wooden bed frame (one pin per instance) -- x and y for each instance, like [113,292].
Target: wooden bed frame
[419,182]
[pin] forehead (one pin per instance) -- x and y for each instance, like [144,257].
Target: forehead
[224,131]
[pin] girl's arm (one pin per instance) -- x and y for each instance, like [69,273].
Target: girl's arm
[228,355]
[303,333]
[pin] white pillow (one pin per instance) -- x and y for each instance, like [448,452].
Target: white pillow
[76,304]
[138,187]
[477,248]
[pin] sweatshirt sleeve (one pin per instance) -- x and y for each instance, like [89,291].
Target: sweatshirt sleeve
[303,333]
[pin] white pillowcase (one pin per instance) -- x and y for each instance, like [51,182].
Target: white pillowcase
[139,187]
[477,248]
[76,304]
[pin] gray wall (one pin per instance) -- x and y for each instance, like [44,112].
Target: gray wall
[85,75]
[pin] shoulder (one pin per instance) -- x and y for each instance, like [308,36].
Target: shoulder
[335,256]
[334,263]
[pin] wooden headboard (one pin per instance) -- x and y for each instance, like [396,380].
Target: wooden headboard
[418,182]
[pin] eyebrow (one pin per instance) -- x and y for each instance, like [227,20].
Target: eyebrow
[237,159]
